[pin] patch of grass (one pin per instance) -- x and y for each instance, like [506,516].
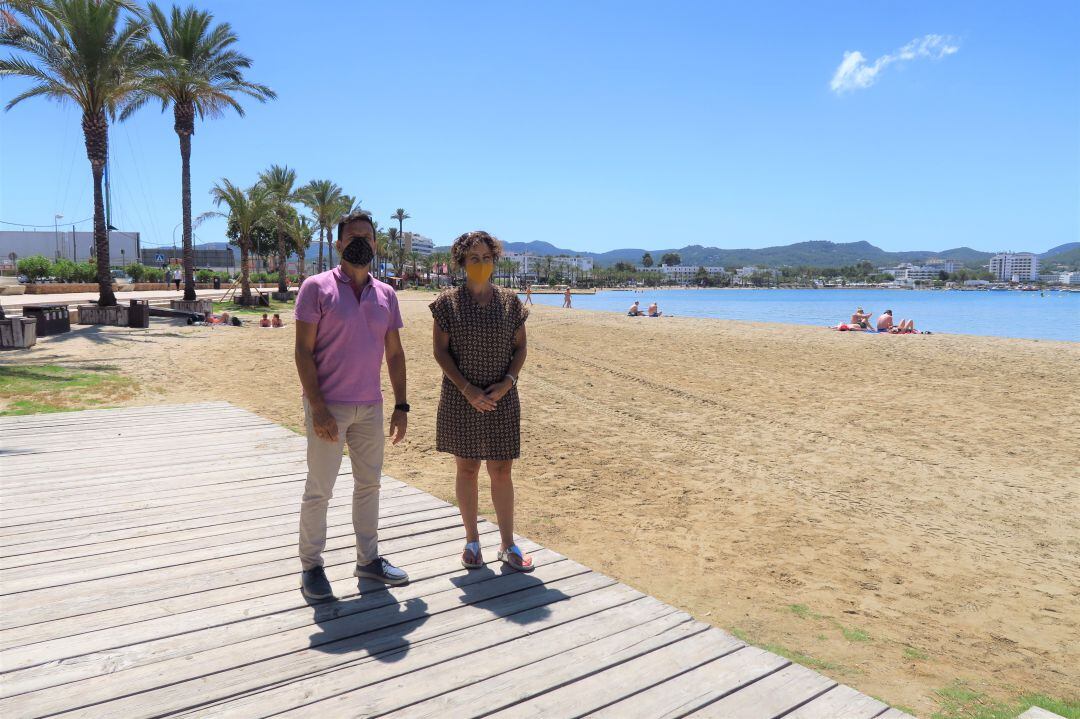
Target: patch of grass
[855,635]
[235,309]
[913,653]
[801,611]
[805,659]
[739,634]
[33,389]
[901,707]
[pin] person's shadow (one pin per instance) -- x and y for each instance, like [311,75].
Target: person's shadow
[375,623]
[523,598]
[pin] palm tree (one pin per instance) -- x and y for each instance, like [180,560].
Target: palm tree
[279,181]
[393,240]
[322,197]
[247,210]
[300,231]
[80,51]
[203,79]
[400,215]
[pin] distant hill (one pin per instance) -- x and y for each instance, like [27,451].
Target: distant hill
[1067,256]
[819,254]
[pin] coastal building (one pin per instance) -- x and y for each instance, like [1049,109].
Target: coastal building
[1069,278]
[415,242]
[682,274]
[60,245]
[223,260]
[531,267]
[1015,267]
[909,274]
[941,264]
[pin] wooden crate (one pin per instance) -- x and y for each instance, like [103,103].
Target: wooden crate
[116,316]
[18,332]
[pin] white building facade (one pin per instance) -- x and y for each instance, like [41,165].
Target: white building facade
[681,274]
[531,267]
[415,242]
[1069,278]
[1015,267]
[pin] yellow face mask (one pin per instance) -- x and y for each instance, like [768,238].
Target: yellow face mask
[479,272]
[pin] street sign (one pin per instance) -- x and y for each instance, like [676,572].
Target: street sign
[159,257]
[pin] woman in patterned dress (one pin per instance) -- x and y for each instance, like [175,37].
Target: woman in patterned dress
[479,340]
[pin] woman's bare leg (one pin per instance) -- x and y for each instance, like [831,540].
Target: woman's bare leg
[502,496]
[468,470]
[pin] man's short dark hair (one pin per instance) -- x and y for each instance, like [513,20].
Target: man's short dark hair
[355,216]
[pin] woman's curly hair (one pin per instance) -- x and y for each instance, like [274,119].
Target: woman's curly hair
[465,242]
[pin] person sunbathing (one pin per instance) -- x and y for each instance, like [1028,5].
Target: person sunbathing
[277,321]
[265,321]
[860,318]
[635,310]
[654,310]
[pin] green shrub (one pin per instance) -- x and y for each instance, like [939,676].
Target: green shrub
[85,272]
[137,272]
[204,275]
[154,274]
[35,268]
[64,270]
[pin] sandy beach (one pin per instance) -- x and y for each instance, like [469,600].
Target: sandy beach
[900,513]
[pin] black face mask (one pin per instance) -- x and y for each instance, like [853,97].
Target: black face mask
[358,252]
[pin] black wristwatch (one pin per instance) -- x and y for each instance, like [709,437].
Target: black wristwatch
[403,407]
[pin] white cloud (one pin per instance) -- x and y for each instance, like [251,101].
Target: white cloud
[856,73]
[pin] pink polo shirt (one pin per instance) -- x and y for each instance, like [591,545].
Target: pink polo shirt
[351,338]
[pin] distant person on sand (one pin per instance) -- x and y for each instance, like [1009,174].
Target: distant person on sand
[906,327]
[168,278]
[885,322]
[635,309]
[346,320]
[528,294]
[277,321]
[177,276]
[265,321]
[566,299]
[479,342]
[654,310]
[861,319]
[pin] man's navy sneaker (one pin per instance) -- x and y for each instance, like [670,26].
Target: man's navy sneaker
[381,570]
[315,585]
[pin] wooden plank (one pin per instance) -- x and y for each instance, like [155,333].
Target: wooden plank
[135,519]
[119,557]
[115,592]
[691,690]
[88,539]
[154,507]
[839,703]
[138,691]
[18,453]
[87,575]
[585,680]
[226,531]
[1039,713]
[74,422]
[777,693]
[282,577]
[355,691]
[116,413]
[893,714]
[223,625]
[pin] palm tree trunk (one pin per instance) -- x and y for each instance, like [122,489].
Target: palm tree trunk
[283,269]
[330,246]
[245,281]
[322,233]
[185,127]
[96,135]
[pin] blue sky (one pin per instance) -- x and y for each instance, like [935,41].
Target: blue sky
[598,125]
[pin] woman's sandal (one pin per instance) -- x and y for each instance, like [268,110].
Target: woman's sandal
[517,561]
[471,557]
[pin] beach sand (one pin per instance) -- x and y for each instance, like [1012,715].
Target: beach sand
[900,513]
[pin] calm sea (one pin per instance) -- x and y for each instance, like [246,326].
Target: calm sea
[1051,316]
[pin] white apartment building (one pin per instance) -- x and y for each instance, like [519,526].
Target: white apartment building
[681,273]
[908,273]
[532,266]
[1015,267]
[1069,278]
[941,264]
[415,242]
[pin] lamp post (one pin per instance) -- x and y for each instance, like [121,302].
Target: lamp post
[56,233]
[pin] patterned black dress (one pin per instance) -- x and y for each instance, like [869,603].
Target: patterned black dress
[482,344]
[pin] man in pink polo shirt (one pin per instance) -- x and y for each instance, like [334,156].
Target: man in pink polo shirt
[345,321]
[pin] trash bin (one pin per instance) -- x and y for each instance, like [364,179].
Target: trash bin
[139,314]
[51,319]
[217,283]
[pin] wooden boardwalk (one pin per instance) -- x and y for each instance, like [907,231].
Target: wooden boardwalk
[149,569]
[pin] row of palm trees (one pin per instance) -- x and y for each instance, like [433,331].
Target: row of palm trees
[112,57]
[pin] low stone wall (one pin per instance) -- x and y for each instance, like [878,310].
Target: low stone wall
[59,288]
[203,307]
